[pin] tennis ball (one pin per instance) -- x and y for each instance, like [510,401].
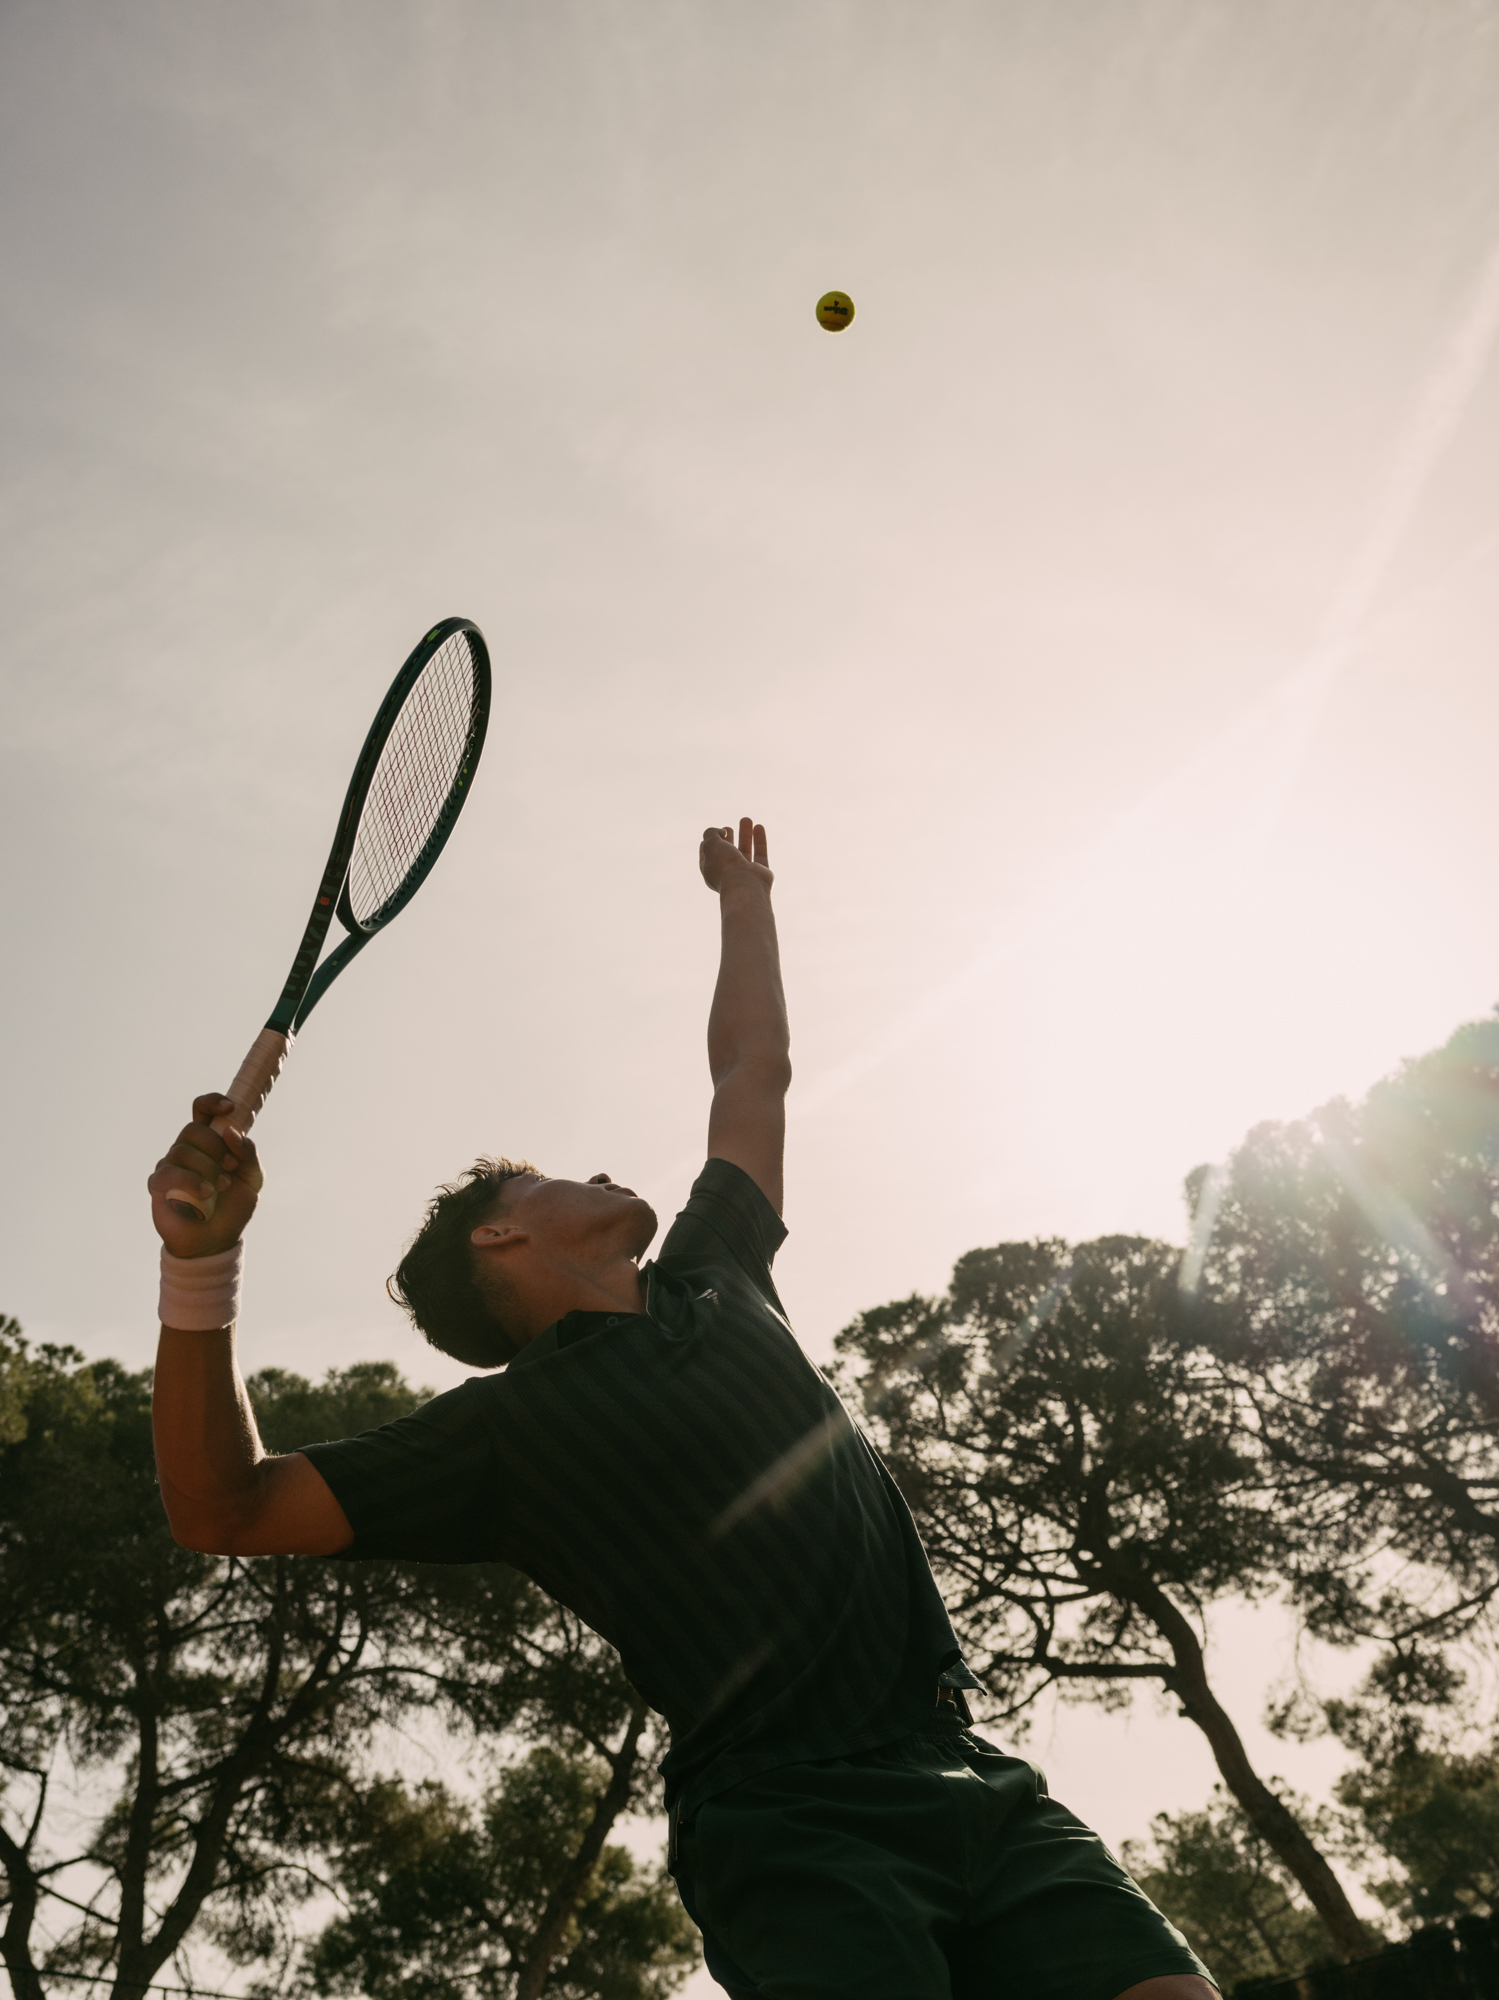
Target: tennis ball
[834,311]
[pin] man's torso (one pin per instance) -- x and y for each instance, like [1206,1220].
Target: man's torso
[690,1485]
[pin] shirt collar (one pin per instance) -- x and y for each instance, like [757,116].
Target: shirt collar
[581,1324]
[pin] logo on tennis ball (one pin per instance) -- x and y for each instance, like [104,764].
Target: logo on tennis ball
[834,311]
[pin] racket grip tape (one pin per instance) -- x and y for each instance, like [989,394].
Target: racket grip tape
[248,1092]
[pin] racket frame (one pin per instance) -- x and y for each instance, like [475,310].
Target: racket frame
[308,981]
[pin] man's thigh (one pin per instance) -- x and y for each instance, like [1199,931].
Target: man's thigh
[936,1870]
[822,1881]
[1054,1916]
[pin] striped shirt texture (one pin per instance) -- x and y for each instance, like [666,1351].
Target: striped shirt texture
[689,1484]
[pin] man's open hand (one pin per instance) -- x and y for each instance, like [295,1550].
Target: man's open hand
[203,1162]
[723,864]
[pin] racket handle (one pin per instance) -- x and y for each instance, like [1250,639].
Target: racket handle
[249,1091]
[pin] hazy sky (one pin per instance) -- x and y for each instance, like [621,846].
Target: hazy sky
[1007,610]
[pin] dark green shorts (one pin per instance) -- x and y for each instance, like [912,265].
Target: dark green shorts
[933,1869]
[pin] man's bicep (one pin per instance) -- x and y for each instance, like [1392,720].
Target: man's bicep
[747,1127]
[297,1514]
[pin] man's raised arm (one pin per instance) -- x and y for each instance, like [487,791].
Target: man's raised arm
[749,1044]
[224,1493]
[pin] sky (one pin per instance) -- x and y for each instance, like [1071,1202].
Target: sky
[1102,625]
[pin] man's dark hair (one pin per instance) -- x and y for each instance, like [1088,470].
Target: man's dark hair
[437,1279]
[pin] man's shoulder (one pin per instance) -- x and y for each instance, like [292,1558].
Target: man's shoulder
[446,1414]
[726,1223]
[724,1199]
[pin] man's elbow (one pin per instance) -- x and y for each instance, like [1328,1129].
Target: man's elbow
[759,1073]
[204,1533]
[200,1540]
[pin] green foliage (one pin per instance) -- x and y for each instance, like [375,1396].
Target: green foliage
[442,1899]
[222,1712]
[1072,1453]
[1422,1794]
[14,1373]
[1436,1815]
[1220,1883]
[1351,1268]
[291,1411]
[1087,1485]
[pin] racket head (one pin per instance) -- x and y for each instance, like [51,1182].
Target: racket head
[414,773]
[411,779]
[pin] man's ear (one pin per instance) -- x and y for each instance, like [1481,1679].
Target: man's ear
[497,1235]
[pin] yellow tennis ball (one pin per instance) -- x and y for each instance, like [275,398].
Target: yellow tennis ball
[834,311]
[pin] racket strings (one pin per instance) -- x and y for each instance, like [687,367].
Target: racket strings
[415,778]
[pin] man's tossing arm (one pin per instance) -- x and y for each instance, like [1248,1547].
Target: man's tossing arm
[749,1044]
[224,1493]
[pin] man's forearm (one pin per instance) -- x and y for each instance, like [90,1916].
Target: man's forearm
[223,1493]
[208,1449]
[747,1023]
[749,1045]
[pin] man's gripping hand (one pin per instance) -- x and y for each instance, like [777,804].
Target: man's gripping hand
[201,1162]
[726,866]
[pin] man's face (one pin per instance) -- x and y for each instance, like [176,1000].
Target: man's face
[578,1217]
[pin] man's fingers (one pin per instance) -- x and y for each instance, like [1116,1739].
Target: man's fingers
[209,1166]
[241,1145]
[749,844]
[170,1178]
[204,1138]
[204,1188]
[212,1156]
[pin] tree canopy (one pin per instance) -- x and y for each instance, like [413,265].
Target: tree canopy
[1085,1485]
[222,1716]
[443,1896]
[1221,1884]
[1349,1263]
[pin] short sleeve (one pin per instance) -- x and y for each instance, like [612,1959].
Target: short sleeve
[726,1215]
[424,1487]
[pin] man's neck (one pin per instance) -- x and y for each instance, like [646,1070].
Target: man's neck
[613,1287]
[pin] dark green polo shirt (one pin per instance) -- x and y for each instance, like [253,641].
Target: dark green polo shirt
[689,1484]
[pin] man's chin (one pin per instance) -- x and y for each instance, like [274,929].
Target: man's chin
[644,1217]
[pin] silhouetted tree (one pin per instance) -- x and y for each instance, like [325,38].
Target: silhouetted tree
[1425,1789]
[444,1897]
[1080,1472]
[1349,1269]
[1220,1883]
[225,1713]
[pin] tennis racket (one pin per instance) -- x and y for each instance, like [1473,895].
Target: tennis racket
[403,801]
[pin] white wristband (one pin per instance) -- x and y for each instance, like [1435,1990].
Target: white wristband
[201,1294]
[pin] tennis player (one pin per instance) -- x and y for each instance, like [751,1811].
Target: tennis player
[651,1445]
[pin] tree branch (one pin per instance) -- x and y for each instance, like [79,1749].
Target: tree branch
[575,1877]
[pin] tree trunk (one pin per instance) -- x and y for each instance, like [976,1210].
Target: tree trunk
[15,1944]
[1271,1818]
[575,1877]
[25,1981]
[140,1958]
[134,1965]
